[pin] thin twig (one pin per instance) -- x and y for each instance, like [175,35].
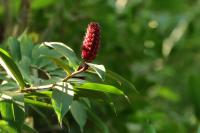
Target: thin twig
[75,73]
[83,68]
[37,88]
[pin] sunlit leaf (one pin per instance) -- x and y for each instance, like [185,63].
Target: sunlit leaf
[12,113]
[17,98]
[11,68]
[101,88]
[37,103]
[6,128]
[99,69]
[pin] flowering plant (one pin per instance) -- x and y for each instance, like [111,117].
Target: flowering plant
[50,76]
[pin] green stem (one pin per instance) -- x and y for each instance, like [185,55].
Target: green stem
[46,87]
[85,67]
[37,88]
[75,73]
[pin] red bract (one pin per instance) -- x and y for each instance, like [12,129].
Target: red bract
[91,42]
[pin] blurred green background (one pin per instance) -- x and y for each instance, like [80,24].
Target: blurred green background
[155,44]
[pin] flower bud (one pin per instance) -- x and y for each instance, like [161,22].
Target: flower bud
[91,42]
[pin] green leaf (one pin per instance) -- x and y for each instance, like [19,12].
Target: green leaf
[98,122]
[61,102]
[79,113]
[121,80]
[99,69]
[17,98]
[12,113]
[101,88]
[24,66]
[38,103]
[10,86]
[60,63]
[6,128]
[2,77]
[41,62]
[26,46]
[11,68]
[168,94]
[65,51]
[14,48]
[42,50]
[97,95]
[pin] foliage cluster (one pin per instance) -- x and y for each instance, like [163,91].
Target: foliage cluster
[152,43]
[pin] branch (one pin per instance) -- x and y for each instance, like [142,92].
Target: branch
[37,88]
[82,68]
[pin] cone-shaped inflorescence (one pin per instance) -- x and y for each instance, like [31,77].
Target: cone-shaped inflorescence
[91,42]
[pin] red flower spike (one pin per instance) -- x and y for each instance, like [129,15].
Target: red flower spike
[91,42]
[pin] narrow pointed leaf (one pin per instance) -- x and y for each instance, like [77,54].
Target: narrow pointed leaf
[11,68]
[6,128]
[91,94]
[121,80]
[17,98]
[12,113]
[37,103]
[101,88]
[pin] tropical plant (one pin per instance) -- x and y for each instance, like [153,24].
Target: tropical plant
[49,76]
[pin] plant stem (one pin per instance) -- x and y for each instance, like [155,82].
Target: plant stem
[45,87]
[36,88]
[85,67]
